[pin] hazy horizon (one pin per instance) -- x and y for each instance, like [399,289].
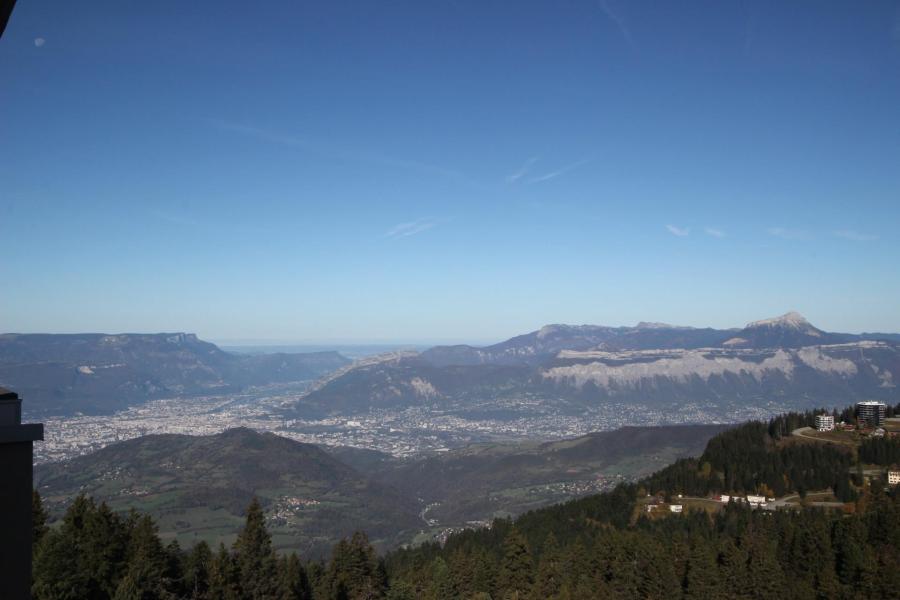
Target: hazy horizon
[418,342]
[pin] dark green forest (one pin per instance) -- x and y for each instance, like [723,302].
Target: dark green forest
[601,546]
[880,451]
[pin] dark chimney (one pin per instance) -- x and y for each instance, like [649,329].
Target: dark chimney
[15,496]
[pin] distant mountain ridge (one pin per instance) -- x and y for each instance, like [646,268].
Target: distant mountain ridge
[784,359]
[579,365]
[94,372]
[790,330]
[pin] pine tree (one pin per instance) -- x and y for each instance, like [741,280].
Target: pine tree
[702,579]
[175,569]
[765,578]
[85,556]
[400,590]
[223,577]
[38,521]
[106,544]
[656,569]
[549,577]
[462,573]
[485,572]
[354,571]
[129,589]
[196,570]
[148,564]
[440,583]
[293,583]
[515,576]
[254,557]
[577,564]
[57,575]
[733,566]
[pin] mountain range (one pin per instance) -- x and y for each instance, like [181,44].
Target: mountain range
[785,360]
[62,374]
[570,368]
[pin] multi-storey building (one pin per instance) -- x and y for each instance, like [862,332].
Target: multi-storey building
[824,422]
[871,413]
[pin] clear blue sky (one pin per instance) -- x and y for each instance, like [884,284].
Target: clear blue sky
[447,170]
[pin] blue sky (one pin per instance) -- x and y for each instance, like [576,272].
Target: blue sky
[447,170]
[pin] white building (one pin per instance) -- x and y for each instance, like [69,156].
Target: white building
[755,501]
[676,508]
[893,477]
[824,422]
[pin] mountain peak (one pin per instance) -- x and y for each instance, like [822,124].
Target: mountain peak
[654,325]
[790,330]
[792,319]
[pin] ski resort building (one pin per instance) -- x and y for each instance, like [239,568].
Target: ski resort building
[871,413]
[824,422]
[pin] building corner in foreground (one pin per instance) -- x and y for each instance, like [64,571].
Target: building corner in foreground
[16,456]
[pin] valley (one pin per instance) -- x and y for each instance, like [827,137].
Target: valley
[197,487]
[450,437]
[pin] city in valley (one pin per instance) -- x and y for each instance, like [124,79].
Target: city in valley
[398,432]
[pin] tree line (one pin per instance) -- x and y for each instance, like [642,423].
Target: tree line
[95,554]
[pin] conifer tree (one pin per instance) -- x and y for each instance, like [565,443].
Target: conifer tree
[146,576]
[38,521]
[765,578]
[400,590]
[57,575]
[576,563]
[254,558]
[87,553]
[175,568]
[196,570]
[485,572]
[354,571]
[702,579]
[440,583]
[293,583]
[516,567]
[549,577]
[462,573]
[223,577]
[733,567]
[129,589]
